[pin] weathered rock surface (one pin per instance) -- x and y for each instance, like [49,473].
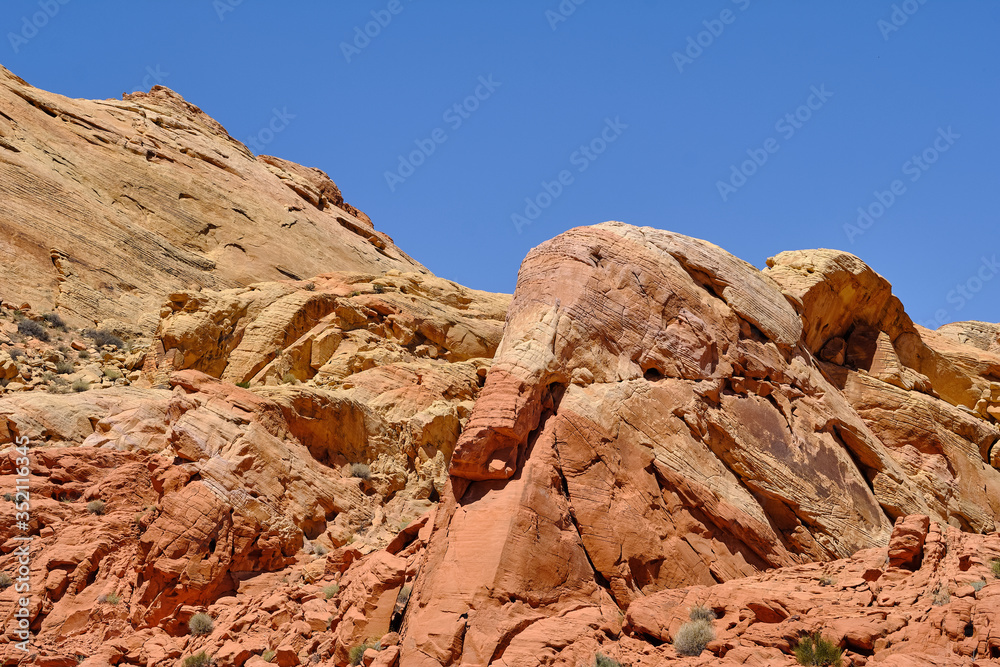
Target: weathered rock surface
[110,205]
[659,415]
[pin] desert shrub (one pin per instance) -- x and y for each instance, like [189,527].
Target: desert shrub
[404,596]
[9,497]
[693,637]
[995,568]
[200,659]
[379,289]
[330,591]
[244,385]
[5,581]
[64,367]
[81,385]
[15,353]
[33,329]
[96,507]
[102,337]
[200,624]
[826,581]
[819,652]
[112,598]
[356,653]
[112,373]
[601,660]
[978,585]
[700,612]
[361,471]
[289,378]
[83,354]
[319,549]
[268,655]
[54,321]
[941,595]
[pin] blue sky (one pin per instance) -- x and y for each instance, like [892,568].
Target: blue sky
[759,126]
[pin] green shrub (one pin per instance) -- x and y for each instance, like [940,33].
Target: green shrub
[693,637]
[357,652]
[243,385]
[330,591]
[5,581]
[200,624]
[995,568]
[361,471]
[81,385]
[978,585]
[112,598]
[112,373]
[289,378]
[33,329]
[64,367]
[96,507]
[200,659]
[700,612]
[268,655]
[819,652]
[83,354]
[601,660]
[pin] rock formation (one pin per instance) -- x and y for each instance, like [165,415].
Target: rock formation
[309,450]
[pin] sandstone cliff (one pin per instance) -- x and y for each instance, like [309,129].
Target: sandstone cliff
[108,206]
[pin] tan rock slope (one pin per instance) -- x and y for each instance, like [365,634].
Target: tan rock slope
[107,206]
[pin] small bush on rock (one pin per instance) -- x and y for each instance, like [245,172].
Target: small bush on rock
[819,652]
[64,367]
[357,652]
[200,659]
[81,386]
[33,329]
[102,338]
[700,612]
[693,637]
[995,568]
[361,471]
[200,624]
[5,581]
[54,321]
[330,591]
[601,660]
[96,507]
[268,655]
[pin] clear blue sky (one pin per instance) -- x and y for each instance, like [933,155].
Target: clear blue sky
[889,95]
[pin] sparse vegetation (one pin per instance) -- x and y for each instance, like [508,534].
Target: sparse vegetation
[995,568]
[693,637]
[15,353]
[319,549]
[700,612]
[268,655]
[361,471]
[330,591]
[826,581]
[112,373]
[9,497]
[83,354]
[33,329]
[978,585]
[110,598]
[404,596]
[54,321]
[102,338]
[243,385]
[200,624]
[64,367]
[5,581]
[96,507]
[289,378]
[200,659]
[819,652]
[379,289]
[601,660]
[941,595]
[356,653]
[81,385]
